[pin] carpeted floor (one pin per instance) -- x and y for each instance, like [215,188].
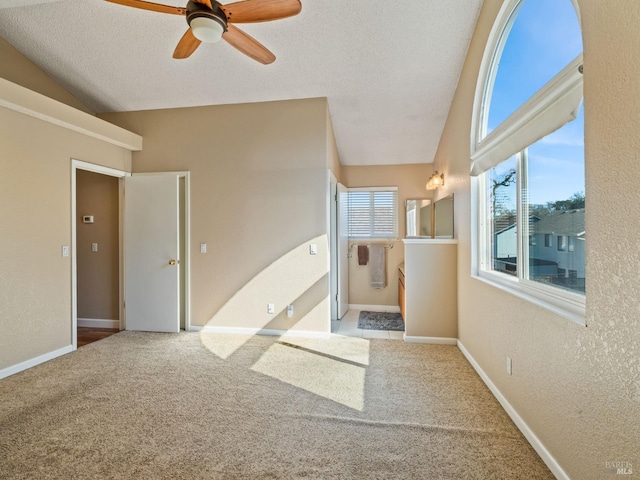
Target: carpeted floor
[380,321]
[206,406]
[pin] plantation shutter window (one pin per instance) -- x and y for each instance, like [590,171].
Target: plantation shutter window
[373,212]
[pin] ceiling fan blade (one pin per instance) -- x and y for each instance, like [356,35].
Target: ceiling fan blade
[248,45]
[186,46]
[206,3]
[251,11]
[154,7]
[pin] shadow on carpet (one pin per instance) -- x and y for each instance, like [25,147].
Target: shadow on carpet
[212,406]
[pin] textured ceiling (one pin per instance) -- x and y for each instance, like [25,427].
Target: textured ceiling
[388,69]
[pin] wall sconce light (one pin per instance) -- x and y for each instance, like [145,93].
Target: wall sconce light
[435,181]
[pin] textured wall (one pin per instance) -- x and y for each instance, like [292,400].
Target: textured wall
[577,388]
[333,157]
[258,199]
[431,281]
[35,219]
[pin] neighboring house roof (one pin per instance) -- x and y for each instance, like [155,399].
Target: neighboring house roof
[508,221]
[504,222]
[567,222]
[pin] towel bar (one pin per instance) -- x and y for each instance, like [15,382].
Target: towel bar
[389,246]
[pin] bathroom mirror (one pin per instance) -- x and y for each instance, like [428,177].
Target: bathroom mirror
[443,217]
[419,214]
[428,219]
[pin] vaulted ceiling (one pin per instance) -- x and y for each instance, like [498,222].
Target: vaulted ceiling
[388,69]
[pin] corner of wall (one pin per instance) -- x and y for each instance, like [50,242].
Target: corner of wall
[333,157]
[18,69]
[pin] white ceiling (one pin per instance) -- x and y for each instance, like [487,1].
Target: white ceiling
[388,69]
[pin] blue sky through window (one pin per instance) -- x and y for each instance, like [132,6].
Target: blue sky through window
[544,38]
[556,164]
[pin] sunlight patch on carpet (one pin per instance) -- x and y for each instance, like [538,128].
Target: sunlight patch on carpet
[223,345]
[340,381]
[351,349]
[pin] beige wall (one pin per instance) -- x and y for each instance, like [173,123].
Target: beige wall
[577,388]
[430,284]
[35,214]
[410,180]
[16,68]
[333,157]
[258,199]
[98,272]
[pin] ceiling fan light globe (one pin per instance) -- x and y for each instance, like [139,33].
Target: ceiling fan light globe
[206,29]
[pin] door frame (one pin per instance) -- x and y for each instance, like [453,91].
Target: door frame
[185,263]
[112,172]
[333,246]
[342,247]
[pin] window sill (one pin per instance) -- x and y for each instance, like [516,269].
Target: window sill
[569,306]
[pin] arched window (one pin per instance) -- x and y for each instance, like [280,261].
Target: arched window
[528,154]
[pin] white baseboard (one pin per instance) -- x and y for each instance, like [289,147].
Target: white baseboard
[431,340]
[531,437]
[260,331]
[98,323]
[6,372]
[376,308]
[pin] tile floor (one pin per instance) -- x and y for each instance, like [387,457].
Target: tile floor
[348,327]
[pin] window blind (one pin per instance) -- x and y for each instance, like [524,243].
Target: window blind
[548,110]
[373,212]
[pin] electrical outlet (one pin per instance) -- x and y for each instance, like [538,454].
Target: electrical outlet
[271,308]
[289,311]
[509,365]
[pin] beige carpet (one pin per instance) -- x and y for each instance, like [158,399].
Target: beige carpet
[191,406]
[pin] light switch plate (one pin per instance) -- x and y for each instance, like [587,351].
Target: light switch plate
[65,250]
[313,249]
[203,248]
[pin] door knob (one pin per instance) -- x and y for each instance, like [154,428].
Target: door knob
[172,262]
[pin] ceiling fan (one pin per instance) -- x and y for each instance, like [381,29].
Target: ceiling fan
[209,21]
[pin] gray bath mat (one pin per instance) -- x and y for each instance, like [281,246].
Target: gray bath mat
[380,321]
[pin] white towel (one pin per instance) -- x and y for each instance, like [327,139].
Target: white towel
[377,266]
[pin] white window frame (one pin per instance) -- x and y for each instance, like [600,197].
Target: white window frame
[512,137]
[393,189]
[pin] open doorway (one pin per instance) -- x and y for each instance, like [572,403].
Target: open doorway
[97,250]
[91,309]
[108,316]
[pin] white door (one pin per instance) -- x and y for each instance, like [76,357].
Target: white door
[343,252]
[152,263]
